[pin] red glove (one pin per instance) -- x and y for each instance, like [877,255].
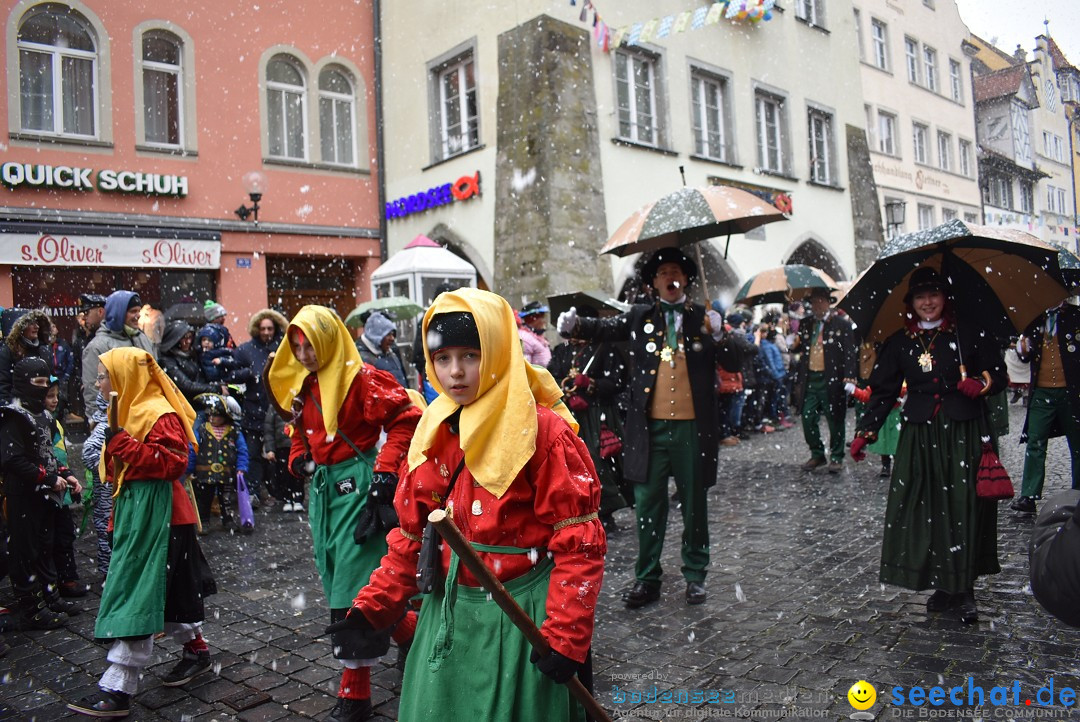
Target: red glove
[857,445]
[970,387]
[862,394]
[581,381]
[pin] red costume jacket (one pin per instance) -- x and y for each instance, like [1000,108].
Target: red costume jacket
[163,455]
[551,506]
[375,401]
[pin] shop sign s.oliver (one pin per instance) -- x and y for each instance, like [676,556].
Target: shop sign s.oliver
[47,249]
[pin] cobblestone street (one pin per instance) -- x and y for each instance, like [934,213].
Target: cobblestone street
[795,615]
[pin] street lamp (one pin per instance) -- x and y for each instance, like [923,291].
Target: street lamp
[255,185]
[894,216]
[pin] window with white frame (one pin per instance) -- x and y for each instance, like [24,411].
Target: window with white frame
[948,214]
[636,95]
[926,217]
[809,11]
[58,66]
[998,191]
[286,106]
[822,160]
[710,112]
[956,82]
[930,68]
[880,41]
[162,81]
[1027,196]
[1062,207]
[769,116]
[971,217]
[859,40]
[965,157]
[337,113]
[919,139]
[1058,146]
[887,133]
[1051,199]
[911,55]
[944,150]
[456,109]
[871,136]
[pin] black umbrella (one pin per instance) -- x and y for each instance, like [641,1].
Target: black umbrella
[599,300]
[1001,279]
[187,311]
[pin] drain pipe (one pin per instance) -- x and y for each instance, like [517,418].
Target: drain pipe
[380,155]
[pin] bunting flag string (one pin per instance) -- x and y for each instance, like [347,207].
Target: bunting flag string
[608,37]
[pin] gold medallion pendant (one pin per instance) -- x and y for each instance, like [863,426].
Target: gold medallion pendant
[926,362]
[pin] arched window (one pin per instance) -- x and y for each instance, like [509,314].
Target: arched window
[286,100]
[57,72]
[337,111]
[162,79]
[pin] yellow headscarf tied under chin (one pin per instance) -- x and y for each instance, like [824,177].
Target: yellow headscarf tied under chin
[498,429]
[339,362]
[144,394]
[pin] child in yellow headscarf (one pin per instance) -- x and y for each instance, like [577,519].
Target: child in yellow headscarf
[158,575]
[340,405]
[498,451]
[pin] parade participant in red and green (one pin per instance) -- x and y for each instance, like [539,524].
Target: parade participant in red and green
[340,407]
[498,450]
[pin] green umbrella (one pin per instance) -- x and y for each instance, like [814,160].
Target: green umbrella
[397,308]
[783,283]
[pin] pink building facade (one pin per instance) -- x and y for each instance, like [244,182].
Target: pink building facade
[130,127]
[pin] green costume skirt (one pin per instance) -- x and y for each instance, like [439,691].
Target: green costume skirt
[469,662]
[938,534]
[888,434]
[133,600]
[337,495]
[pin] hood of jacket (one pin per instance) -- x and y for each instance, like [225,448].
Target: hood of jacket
[174,332]
[116,308]
[279,320]
[19,321]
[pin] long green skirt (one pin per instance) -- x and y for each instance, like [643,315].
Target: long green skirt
[938,534]
[888,434]
[473,663]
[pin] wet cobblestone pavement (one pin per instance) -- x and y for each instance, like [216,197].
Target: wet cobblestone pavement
[795,616]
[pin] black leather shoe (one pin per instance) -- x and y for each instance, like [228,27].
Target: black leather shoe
[969,613]
[103,704]
[350,710]
[695,593]
[1024,505]
[641,594]
[940,601]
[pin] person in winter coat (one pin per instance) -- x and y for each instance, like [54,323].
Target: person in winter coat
[215,357]
[91,314]
[267,329]
[63,363]
[217,463]
[1054,557]
[378,346]
[26,334]
[534,344]
[938,533]
[671,427]
[102,492]
[277,440]
[119,329]
[158,576]
[750,351]
[497,447]
[214,313]
[179,361]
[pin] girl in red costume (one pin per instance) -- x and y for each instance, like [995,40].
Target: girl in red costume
[525,494]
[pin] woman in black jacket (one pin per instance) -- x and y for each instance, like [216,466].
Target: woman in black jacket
[180,363]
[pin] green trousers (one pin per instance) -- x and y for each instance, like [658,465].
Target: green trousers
[1045,406]
[673,451]
[815,405]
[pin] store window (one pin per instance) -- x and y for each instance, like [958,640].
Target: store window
[337,112]
[286,101]
[296,281]
[58,72]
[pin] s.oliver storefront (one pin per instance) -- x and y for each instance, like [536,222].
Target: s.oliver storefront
[50,265]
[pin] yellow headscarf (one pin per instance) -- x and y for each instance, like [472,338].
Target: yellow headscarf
[145,393]
[498,429]
[339,362]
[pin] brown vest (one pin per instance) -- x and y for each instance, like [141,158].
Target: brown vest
[1051,374]
[672,398]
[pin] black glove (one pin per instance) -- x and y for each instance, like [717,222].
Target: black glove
[354,621]
[559,668]
[110,432]
[378,516]
[303,466]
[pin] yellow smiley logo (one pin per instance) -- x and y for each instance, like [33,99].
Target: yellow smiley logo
[862,695]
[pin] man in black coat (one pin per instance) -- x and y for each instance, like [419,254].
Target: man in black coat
[827,372]
[671,427]
[1053,407]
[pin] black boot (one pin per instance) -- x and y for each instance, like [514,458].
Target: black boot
[969,613]
[886,467]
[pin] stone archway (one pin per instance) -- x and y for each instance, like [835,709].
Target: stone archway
[454,243]
[812,252]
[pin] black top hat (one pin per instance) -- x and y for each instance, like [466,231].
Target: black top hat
[924,279]
[89,301]
[822,292]
[669,255]
[533,308]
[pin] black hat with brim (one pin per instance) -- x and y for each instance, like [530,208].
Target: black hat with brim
[88,301]
[669,255]
[922,280]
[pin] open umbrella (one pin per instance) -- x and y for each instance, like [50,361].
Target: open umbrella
[1006,278]
[783,283]
[689,215]
[186,311]
[597,299]
[397,308]
[1070,268]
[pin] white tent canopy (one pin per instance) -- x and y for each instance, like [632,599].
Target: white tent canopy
[416,270]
